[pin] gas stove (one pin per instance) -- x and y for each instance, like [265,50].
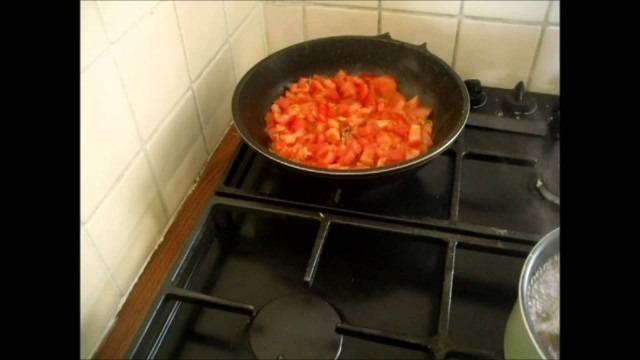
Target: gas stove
[283,266]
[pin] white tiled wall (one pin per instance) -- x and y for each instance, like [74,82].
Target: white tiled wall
[498,42]
[156,84]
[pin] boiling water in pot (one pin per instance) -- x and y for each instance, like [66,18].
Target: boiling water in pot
[544,304]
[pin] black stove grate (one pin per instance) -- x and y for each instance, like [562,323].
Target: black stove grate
[425,268]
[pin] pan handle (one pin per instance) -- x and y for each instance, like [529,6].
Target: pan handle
[421,47]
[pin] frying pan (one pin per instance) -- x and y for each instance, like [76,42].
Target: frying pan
[418,72]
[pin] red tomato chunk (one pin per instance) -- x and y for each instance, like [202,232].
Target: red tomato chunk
[348,122]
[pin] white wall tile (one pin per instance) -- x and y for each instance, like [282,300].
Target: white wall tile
[203,31]
[93,40]
[554,14]
[120,16]
[140,244]
[283,24]
[236,12]
[108,139]
[504,63]
[169,145]
[151,62]
[99,298]
[546,75]
[438,32]
[215,84]
[325,22]
[116,218]
[184,178]
[215,129]
[513,10]
[440,7]
[247,44]
[363,3]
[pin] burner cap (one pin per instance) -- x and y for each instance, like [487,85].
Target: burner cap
[296,327]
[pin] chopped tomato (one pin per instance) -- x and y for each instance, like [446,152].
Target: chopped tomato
[348,122]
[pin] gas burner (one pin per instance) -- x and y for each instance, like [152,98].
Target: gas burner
[296,327]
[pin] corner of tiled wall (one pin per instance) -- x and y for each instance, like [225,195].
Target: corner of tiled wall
[499,42]
[156,84]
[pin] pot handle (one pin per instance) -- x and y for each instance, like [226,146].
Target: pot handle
[421,47]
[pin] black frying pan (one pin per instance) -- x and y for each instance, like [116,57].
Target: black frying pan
[417,71]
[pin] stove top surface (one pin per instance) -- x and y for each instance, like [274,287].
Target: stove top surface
[285,266]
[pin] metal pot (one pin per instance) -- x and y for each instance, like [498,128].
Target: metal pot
[417,71]
[521,341]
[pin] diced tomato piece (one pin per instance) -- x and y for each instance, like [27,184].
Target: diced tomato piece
[288,138]
[368,154]
[283,103]
[413,103]
[347,158]
[323,108]
[415,135]
[348,89]
[329,158]
[421,112]
[333,135]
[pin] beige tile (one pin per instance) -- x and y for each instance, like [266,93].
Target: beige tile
[546,74]
[504,63]
[203,31]
[93,40]
[247,44]
[116,218]
[120,16]
[362,3]
[184,178]
[99,298]
[438,32]
[512,10]
[236,12]
[439,7]
[108,139]
[145,237]
[169,145]
[214,86]
[152,64]
[554,13]
[325,22]
[283,24]
[216,127]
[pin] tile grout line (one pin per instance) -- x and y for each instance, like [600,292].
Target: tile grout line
[265,39]
[536,54]
[456,41]
[134,24]
[133,157]
[106,35]
[304,21]
[143,142]
[379,17]
[431,13]
[191,81]
[96,251]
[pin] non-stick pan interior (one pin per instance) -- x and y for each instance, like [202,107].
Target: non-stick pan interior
[417,71]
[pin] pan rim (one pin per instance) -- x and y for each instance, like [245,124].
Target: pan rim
[444,145]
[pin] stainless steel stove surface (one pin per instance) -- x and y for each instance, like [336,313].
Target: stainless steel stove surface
[282,266]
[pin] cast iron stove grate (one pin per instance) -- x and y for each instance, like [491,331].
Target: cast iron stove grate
[425,268]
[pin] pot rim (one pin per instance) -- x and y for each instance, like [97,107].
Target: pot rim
[523,291]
